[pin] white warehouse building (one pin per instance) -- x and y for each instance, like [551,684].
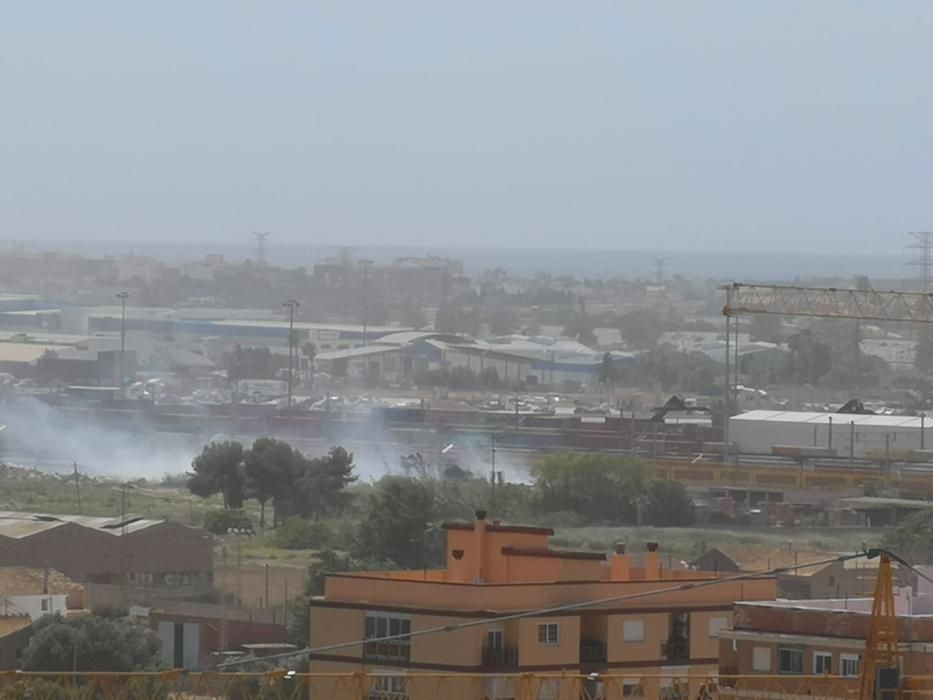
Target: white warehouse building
[848,434]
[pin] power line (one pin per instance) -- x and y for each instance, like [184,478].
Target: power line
[687,586]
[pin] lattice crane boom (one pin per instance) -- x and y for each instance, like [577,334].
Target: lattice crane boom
[828,302]
[881,646]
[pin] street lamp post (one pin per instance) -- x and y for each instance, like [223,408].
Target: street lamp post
[292,305]
[365,264]
[123,296]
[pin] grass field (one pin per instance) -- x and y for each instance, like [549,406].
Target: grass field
[687,543]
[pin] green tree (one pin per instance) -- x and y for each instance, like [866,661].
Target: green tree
[923,359]
[641,329]
[270,470]
[580,328]
[913,538]
[597,487]
[219,469]
[668,504]
[453,317]
[503,319]
[250,363]
[396,524]
[766,328]
[810,357]
[413,316]
[320,483]
[91,644]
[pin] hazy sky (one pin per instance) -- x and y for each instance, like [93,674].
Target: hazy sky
[585,124]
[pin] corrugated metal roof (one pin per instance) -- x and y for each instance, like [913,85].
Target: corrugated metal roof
[356,352]
[837,418]
[17,525]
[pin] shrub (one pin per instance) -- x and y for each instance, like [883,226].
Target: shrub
[297,533]
[222,521]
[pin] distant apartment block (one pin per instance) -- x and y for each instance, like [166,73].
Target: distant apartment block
[494,570]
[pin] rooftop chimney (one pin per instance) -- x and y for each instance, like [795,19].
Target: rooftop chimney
[652,562]
[479,545]
[620,564]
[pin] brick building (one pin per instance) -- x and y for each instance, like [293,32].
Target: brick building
[104,550]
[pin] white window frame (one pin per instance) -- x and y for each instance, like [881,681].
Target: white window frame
[547,628]
[822,655]
[716,625]
[844,658]
[756,657]
[389,684]
[495,634]
[790,650]
[391,624]
[629,634]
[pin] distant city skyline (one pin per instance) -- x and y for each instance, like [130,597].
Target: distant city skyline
[632,264]
[719,126]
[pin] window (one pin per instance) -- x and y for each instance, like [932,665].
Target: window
[632,688]
[633,631]
[832,580]
[45,605]
[717,625]
[822,662]
[790,660]
[849,664]
[389,687]
[761,659]
[494,639]
[549,634]
[381,625]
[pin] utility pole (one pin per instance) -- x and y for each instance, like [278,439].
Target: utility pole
[292,305]
[78,487]
[492,475]
[123,296]
[365,264]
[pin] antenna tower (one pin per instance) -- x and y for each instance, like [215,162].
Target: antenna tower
[922,248]
[261,237]
[659,264]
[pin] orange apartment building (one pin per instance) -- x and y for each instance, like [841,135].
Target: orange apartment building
[778,641]
[495,570]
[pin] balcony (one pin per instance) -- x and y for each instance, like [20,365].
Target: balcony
[675,649]
[500,657]
[592,651]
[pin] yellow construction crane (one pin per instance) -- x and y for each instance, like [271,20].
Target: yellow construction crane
[880,673]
